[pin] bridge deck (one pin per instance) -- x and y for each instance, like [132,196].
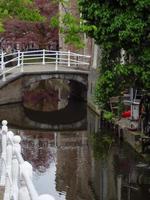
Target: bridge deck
[46,68]
[12,73]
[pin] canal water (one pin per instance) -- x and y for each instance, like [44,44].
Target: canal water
[77,160]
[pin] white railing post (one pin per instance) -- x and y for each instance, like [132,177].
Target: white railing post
[68,58]
[43,57]
[4,145]
[18,58]
[22,61]
[77,60]
[8,181]
[3,66]
[2,60]
[15,166]
[56,66]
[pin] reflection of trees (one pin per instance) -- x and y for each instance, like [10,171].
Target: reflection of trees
[101,144]
[45,95]
[39,154]
[38,97]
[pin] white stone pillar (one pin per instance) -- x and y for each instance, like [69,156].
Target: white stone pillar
[69,58]
[8,177]
[22,61]
[4,144]
[56,66]
[18,58]
[43,62]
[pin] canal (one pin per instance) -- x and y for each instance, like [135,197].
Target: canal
[73,159]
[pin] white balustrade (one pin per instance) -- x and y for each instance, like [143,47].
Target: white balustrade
[22,61]
[68,58]
[18,58]
[45,57]
[56,66]
[3,65]
[16,174]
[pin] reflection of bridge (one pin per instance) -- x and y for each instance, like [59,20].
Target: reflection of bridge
[18,63]
[23,121]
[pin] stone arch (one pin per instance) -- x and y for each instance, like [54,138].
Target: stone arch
[12,90]
[81,78]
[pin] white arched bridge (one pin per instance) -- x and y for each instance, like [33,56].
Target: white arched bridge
[40,61]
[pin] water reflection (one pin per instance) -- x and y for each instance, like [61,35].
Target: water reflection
[75,117]
[68,165]
[59,160]
[85,164]
[47,95]
[73,112]
[37,149]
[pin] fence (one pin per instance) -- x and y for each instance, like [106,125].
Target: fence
[19,59]
[16,174]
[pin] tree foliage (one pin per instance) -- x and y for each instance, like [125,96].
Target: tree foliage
[70,24]
[23,9]
[119,24]
[101,143]
[30,10]
[37,32]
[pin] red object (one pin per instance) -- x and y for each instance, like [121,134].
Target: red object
[126,114]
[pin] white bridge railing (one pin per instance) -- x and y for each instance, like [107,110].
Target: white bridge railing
[10,62]
[16,174]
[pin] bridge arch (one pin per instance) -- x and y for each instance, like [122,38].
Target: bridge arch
[12,91]
[82,78]
[77,84]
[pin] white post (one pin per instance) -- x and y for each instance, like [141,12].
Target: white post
[15,166]
[18,58]
[4,145]
[2,60]
[56,67]
[22,193]
[77,60]
[3,66]
[68,58]
[22,61]
[8,180]
[43,57]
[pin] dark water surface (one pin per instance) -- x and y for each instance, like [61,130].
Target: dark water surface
[74,162]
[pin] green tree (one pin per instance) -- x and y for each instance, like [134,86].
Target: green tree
[68,23]
[119,24]
[22,9]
